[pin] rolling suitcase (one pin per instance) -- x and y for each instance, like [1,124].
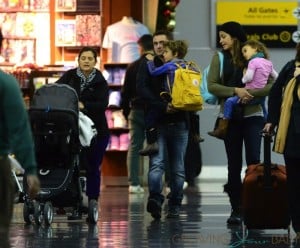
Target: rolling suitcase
[264,194]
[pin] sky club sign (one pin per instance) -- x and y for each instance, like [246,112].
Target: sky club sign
[272,22]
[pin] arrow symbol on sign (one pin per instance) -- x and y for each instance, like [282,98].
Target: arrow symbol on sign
[296,13]
[296,36]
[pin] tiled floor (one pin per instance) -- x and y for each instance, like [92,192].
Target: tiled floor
[124,222]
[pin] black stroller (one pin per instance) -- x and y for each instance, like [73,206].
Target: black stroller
[54,120]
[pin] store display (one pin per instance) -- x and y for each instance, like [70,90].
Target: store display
[121,38]
[114,99]
[39,5]
[65,33]
[115,75]
[65,5]
[88,30]
[14,5]
[23,37]
[19,50]
[77,28]
[115,119]
[124,142]
[31,39]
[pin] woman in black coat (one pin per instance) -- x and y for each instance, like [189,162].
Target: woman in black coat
[92,90]
[284,115]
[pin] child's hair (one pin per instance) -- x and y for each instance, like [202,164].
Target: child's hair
[177,46]
[259,46]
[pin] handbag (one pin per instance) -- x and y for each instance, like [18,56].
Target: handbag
[87,130]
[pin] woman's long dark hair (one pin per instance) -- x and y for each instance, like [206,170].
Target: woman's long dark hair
[237,55]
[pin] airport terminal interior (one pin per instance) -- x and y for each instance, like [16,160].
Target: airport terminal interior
[124,222]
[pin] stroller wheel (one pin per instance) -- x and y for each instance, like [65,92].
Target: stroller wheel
[93,212]
[48,213]
[27,212]
[37,213]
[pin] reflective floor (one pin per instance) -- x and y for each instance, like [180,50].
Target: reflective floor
[124,222]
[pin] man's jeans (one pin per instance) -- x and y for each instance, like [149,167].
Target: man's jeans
[172,142]
[137,136]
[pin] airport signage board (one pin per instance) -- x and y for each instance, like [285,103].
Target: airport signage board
[275,23]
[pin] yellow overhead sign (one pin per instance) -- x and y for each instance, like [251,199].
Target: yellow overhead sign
[257,13]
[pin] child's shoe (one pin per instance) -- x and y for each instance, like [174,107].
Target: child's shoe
[197,138]
[135,189]
[221,131]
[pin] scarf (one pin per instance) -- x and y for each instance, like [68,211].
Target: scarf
[85,81]
[257,55]
[285,115]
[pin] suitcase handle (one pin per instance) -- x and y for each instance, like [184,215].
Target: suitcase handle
[267,137]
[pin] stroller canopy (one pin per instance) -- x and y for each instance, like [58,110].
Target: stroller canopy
[52,97]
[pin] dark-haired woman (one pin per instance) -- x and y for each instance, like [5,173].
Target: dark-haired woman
[92,90]
[246,129]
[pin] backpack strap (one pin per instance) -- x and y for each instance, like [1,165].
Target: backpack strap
[208,97]
[169,85]
[221,59]
[192,65]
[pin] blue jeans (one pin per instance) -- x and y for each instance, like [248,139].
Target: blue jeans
[239,133]
[136,120]
[228,106]
[172,142]
[234,100]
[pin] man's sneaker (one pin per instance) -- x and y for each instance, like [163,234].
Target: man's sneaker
[167,190]
[185,185]
[173,212]
[154,208]
[234,218]
[135,189]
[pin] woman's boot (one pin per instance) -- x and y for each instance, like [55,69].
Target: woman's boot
[235,217]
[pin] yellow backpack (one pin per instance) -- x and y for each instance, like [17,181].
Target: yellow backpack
[186,88]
